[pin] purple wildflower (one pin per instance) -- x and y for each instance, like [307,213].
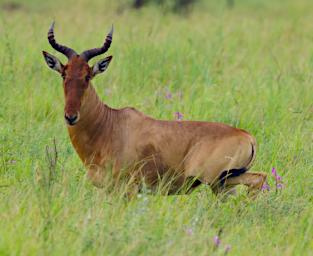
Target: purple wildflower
[265,187]
[179,116]
[189,231]
[278,179]
[227,248]
[168,94]
[274,172]
[217,241]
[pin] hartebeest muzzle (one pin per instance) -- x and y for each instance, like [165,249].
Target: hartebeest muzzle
[71,119]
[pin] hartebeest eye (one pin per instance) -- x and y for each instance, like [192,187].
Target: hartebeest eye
[87,78]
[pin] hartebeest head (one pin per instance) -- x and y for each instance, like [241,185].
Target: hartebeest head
[76,73]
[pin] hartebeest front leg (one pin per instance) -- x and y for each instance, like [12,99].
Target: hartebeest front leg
[96,176]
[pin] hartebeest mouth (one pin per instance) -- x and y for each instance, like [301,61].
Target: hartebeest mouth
[72,120]
[147,149]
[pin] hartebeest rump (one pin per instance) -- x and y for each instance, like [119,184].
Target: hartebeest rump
[211,153]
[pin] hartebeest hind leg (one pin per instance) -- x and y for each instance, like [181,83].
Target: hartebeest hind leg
[226,165]
[253,180]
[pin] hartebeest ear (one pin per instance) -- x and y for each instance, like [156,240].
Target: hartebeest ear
[53,62]
[101,65]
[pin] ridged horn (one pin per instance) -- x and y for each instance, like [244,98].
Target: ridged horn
[88,54]
[68,52]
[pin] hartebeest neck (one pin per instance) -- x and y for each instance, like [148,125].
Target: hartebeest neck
[92,135]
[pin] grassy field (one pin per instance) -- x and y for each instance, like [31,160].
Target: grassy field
[250,66]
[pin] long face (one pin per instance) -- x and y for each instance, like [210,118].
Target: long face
[76,74]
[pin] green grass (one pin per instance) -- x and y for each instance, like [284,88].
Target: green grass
[250,66]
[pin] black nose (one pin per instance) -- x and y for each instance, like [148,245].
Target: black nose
[70,119]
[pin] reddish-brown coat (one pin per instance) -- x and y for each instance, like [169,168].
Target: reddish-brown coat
[126,137]
[142,146]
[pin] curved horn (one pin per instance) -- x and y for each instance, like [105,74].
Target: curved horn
[88,54]
[68,52]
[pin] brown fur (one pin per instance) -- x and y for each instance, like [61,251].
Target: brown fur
[149,148]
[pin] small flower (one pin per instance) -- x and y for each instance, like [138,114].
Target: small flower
[179,116]
[274,172]
[189,231]
[168,95]
[265,187]
[278,179]
[227,248]
[217,241]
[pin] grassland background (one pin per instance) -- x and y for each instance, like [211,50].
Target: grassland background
[249,66]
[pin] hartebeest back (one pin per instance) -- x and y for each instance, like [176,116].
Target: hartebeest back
[210,153]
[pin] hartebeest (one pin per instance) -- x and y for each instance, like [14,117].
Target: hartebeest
[211,153]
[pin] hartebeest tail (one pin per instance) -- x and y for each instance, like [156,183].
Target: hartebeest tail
[210,153]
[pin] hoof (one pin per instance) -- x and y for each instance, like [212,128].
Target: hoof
[260,184]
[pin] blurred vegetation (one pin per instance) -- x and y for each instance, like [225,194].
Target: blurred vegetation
[249,66]
[177,5]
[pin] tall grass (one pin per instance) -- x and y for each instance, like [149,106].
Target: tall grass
[249,66]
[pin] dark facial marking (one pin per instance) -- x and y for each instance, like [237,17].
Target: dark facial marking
[50,61]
